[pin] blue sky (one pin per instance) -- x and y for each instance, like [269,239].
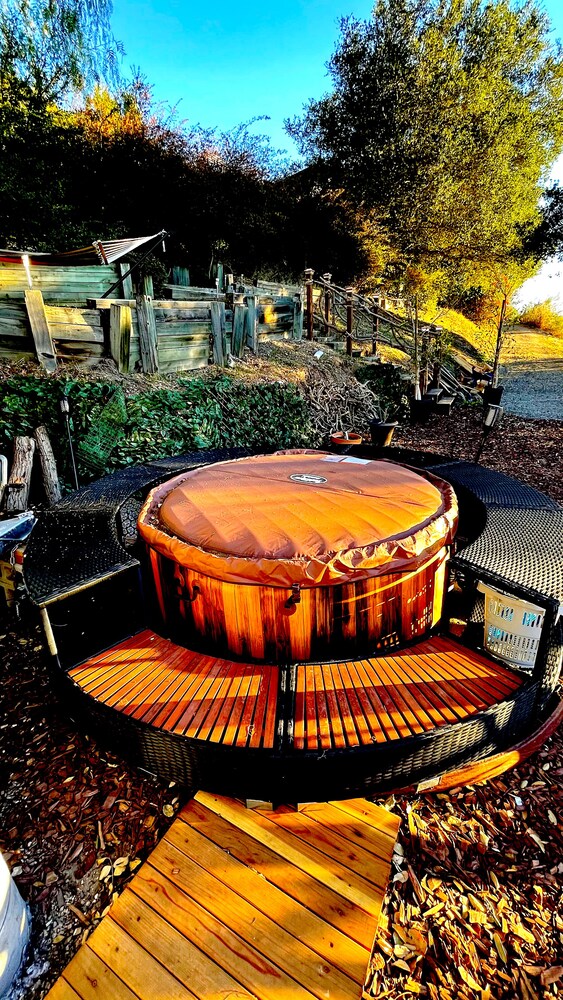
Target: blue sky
[224,63]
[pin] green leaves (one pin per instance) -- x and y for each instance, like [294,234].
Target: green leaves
[444,118]
[200,413]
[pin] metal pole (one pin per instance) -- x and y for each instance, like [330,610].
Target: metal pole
[65,412]
[349,320]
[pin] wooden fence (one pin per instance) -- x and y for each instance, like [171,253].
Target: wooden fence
[189,330]
[63,285]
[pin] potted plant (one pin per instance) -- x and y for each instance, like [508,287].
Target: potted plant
[382,427]
[345,439]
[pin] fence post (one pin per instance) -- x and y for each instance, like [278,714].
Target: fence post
[251,322]
[40,329]
[120,329]
[326,279]
[218,332]
[309,272]
[180,276]
[126,282]
[239,322]
[298,316]
[349,320]
[147,334]
[147,287]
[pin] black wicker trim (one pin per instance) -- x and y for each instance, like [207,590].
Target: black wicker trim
[306,775]
[83,537]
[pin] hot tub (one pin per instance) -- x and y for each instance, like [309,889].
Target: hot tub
[299,555]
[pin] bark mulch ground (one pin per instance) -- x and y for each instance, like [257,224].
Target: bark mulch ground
[475,905]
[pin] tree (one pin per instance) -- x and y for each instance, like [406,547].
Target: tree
[49,47]
[444,117]
[546,240]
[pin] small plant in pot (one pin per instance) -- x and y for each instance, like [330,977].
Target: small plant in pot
[382,426]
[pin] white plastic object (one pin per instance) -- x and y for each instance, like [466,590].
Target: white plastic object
[14,929]
[512,627]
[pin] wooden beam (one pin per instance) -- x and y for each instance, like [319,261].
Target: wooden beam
[239,323]
[219,333]
[40,329]
[48,466]
[17,490]
[297,332]
[120,329]
[251,322]
[126,282]
[147,334]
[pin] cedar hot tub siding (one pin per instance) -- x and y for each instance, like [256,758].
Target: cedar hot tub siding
[252,621]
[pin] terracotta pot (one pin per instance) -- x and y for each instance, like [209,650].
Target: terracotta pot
[341,441]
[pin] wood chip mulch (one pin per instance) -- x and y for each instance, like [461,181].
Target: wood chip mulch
[75,821]
[475,906]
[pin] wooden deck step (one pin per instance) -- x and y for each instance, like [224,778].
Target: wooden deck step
[337,705]
[248,904]
[157,682]
[391,697]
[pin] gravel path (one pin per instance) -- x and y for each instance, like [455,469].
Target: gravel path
[534,389]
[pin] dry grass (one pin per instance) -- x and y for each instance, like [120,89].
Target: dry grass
[544,317]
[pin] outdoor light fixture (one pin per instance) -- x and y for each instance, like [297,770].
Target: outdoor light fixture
[492,415]
[65,410]
[491,418]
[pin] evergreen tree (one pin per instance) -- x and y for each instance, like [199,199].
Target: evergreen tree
[445,116]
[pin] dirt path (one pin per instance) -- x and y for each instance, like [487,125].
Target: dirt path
[533,375]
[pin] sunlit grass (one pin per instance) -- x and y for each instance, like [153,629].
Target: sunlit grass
[543,316]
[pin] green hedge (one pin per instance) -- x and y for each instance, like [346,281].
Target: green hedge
[199,413]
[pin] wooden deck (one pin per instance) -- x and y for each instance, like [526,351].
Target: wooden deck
[248,904]
[336,705]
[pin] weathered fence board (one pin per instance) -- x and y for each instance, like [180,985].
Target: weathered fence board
[120,329]
[40,329]
[251,322]
[58,284]
[182,332]
[147,334]
[219,333]
[239,322]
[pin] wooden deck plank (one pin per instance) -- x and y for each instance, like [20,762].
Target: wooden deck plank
[349,856]
[62,991]
[145,978]
[378,842]
[229,906]
[338,705]
[174,951]
[186,842]
[297,852]
[255,950]
[91,977]
[321,900]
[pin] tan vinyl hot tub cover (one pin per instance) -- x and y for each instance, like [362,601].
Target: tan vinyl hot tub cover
[304,518]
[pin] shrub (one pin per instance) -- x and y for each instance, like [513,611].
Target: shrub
[198,413]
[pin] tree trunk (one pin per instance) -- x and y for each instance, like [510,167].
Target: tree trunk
[17,490]
[499,343]
[48,466]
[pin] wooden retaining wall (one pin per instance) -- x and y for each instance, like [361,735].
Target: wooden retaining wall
[175,335]
[70,285]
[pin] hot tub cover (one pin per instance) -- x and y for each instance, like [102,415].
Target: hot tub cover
[304,518]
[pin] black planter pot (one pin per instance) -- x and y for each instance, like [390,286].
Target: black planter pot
[382,432]
[492,394]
